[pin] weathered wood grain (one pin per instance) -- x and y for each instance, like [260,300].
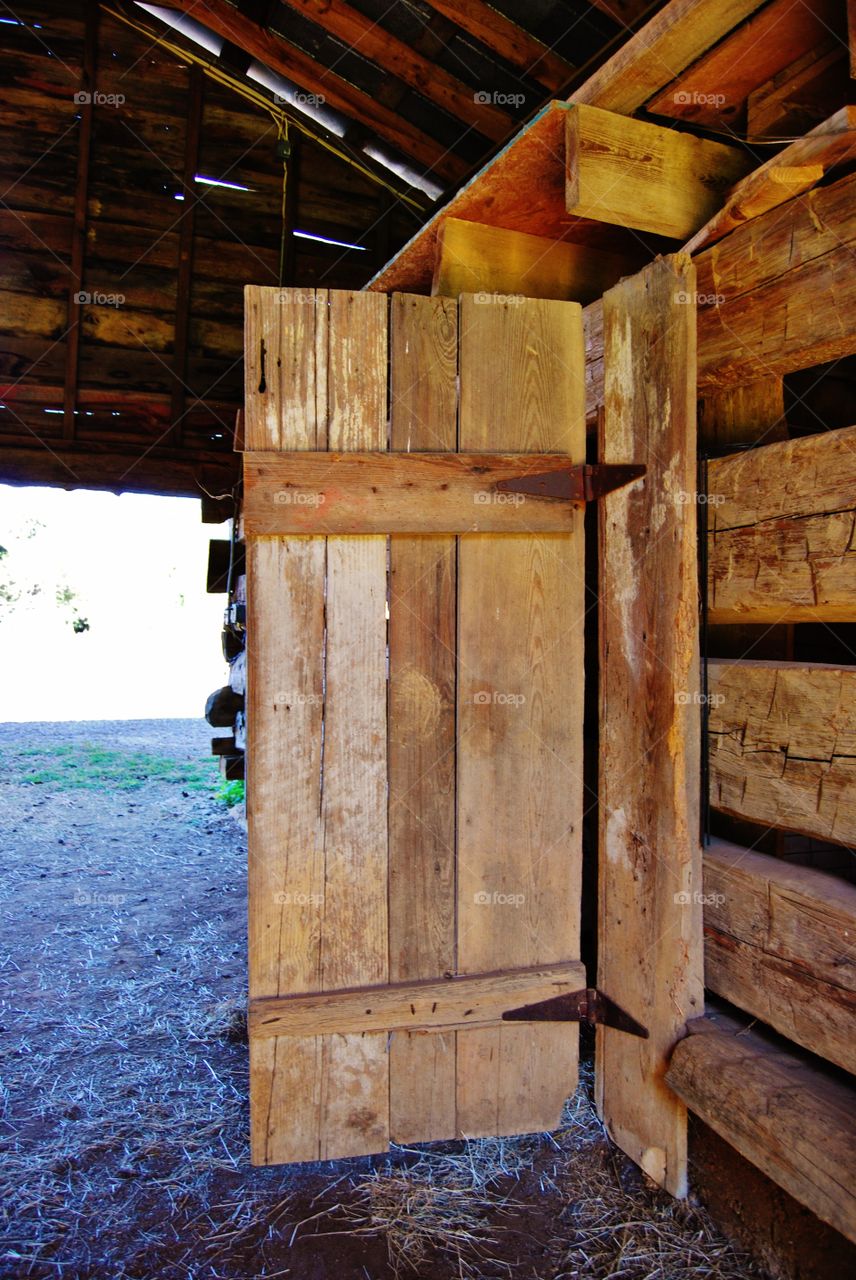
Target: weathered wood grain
[284,708]
[673,39]
[780,943]
[520,620]
[783,745]
[316,665]
[713,91]
[416,1006]
[781,545]
[474,257]
[779,293]
[830,144]
[398,493]
[775,295]
[650,858]
[422,675]
[635,174]
[788,1118]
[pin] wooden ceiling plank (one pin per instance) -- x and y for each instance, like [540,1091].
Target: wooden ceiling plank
[508,40]
[78,236]
[283,57]
[372,41]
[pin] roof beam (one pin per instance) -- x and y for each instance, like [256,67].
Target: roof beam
[505,38]
[657,54]
[282,56]
[372,42]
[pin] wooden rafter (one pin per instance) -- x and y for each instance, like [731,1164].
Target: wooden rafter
[282,56]
[371,41]
[505,38]
[658,53]
[78,235]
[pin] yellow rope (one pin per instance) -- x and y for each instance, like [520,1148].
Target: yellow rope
[282,136]
[280,117]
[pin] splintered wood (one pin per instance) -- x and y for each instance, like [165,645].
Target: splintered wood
[417,827]
[783,745]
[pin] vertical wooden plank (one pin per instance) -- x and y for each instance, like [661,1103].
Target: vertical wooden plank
[650,928]
[423,416]
[316,370]
[520,688]
[285,697]
[354,938]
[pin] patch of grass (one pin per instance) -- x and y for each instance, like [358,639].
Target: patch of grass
[85,766]
[230,793]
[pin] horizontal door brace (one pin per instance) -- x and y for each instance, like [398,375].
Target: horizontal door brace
[444,493]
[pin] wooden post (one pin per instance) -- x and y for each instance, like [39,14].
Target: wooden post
[650,926]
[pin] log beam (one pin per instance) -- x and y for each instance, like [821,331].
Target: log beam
[783,745]
[791,1120]
[780,532]
[778,943]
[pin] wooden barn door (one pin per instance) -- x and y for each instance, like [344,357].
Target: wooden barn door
[415,704]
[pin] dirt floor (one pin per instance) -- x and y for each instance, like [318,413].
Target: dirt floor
[124,1069]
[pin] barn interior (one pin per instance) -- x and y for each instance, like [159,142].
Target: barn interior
[575,285]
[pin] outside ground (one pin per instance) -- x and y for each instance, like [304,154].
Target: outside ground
[124,1069]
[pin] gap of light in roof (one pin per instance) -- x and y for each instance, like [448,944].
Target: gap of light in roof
[402,170]
[187,26]
[290,93]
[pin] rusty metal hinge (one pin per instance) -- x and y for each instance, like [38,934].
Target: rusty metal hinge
[588,1005]
[585,482]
